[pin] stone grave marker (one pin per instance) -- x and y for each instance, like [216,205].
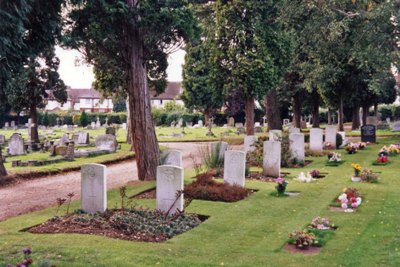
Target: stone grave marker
[316,139]
[286,122]
[372,120]
[234,167]
[368,133]
[2,139]
[94,188]
[98,124]
[303,124]
[396,126]
[123,126]
[106,142]
[7,125]
[239,125]
[83,138]
[64,140]
[200,123]
[172,157]
[249,141]
[16,145]
[169,184]
[12,124]
[70,153]
[330,134]
[297,146]
[275,135]
[60,150]
[293,130]
[272,158]
[92,125]
[231,122]
[222,146]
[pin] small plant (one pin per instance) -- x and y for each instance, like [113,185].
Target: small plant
[60,202]
[357,169]
[369,176]
[321,223]
[302,239]
[70,196]
[198,167]
[123,195]
[382,159]
[281,186]
[27,261]
[212,158]
[351,148]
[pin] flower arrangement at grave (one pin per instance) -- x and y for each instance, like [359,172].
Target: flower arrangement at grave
[384,151]
[369,176]
[302,239]
[281,186]
[334,157]
[393,150]
[305,178]
[315,173]
[357,170]
[350,199]
[381,160]
[328,146]
[351,148]
[321,223]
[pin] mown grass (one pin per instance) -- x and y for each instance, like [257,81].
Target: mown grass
[251,232]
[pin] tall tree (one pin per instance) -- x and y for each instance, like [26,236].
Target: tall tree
[126,36]
[248,50]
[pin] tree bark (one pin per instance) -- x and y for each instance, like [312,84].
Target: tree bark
[315,109]
[128,124]
[34,129]
[144,137]
[340,115]
[355,118]
[207,116]
[297,110]
[272,108]
[249,109]
[376,109]
[329,116]
[365,110]
[3,171]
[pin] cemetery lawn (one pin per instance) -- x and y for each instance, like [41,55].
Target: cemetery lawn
[122,154]
[251,232]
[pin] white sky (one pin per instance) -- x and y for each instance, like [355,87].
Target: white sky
[81,75]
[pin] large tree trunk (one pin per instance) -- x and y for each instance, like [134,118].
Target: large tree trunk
[144,137]
[3,171]
[315,109]
[273,113]
[128,124]
[207,116]
[329,116]
[340,115]
[34,129]
[355,118]
[376,109]
[249,109]
[297,110]
[365,110]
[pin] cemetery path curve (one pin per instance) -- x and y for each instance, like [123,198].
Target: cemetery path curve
[32,195]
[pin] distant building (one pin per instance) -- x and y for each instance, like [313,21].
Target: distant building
[88,100]
[171,93]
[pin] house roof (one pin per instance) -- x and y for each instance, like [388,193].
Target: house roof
[76,94]
[173,91]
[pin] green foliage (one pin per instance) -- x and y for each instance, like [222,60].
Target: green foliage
[84,119]
[45,120]
[76,118]
[211,158]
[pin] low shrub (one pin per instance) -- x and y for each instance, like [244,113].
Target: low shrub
[206,188]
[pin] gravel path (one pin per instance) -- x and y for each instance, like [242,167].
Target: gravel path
[32,195]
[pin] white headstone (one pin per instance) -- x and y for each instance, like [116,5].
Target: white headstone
[169,183]
[93,125]
[98,124]
[316,139]
[297,146]
[257,124]
[275,135]
[200,123]
[330,134]
[7,125]
[106,142]
[272,158]
[294,130]
[94,188]
[16,145]
[249,141]
[235,167]
[222,146]
[124,126]
[172,157]
[396,126]
[13,124]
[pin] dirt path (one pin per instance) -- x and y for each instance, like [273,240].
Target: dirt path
[32,195]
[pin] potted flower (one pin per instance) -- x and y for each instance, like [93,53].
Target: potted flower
[351,148]
[350,199]
[357,169]
[334,158]
[382,160]
[281,186]
[384,151]
[393,150]
[315,173]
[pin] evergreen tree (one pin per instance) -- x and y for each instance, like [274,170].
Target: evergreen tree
[84,119]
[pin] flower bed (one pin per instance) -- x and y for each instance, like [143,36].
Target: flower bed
[349,200]
[317,233]
[129,224]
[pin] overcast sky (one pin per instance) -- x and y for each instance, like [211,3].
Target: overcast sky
[81,75]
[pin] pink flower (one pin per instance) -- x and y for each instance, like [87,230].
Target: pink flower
[344,206]
[279,180]
[353,200]
[354,205]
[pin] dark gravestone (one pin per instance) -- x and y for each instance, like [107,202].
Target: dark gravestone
[368,133]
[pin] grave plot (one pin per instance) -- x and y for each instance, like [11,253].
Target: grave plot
[349,201]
